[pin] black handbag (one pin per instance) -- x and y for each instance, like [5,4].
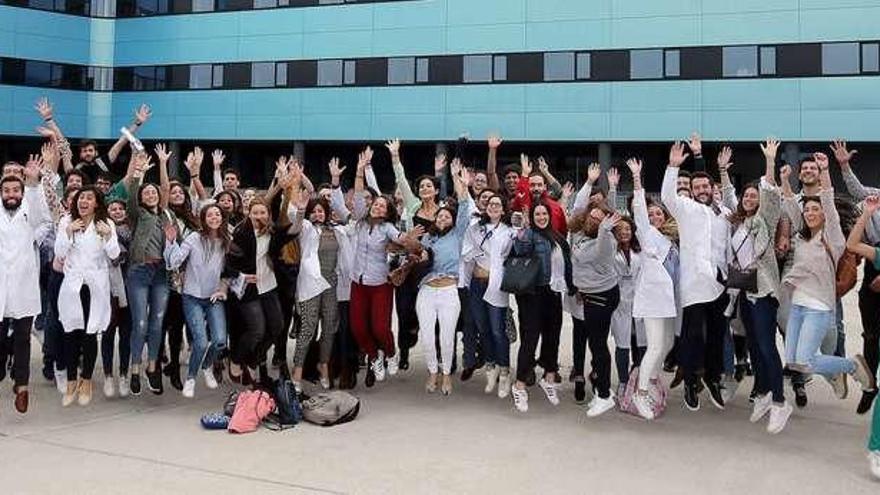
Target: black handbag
[520,274]
[745,279]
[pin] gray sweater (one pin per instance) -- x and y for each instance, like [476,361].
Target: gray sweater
[592,261]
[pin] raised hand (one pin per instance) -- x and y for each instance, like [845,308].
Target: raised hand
[439,163]
[635,167]
[32,169]
[770,147]
[368,153]
[217,157]
[282,166]
[75,226]
[455,167]
[393,146]
[142,114]
[335,170]
[785,173]
[821,160]
[102,229]
[44,108]
[198,159]
[612,221]
[46,132]
[613,177]
[872,203]
[494,141]
[593,173]
[677,155]
[841,154]
[567,191]
[695,143]
[51,156]
[543,166]
[163,153]
[724,157]
[525,165]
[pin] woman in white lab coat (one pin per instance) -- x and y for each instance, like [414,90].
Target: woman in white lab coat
[625,328]
[86,241]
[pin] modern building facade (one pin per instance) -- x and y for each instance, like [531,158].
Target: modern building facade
[607,77]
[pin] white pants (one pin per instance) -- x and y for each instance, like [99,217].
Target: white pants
[440,304]
[660,333]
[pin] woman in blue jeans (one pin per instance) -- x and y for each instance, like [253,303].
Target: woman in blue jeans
[203,291]
[147,280]
[486,245]
[817,248]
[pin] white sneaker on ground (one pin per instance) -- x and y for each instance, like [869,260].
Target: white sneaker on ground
[379,367]
[761,407]
[600,406]
[61,380]
[778,417]
[392,364]
[504,385]
[520,399]
[874,463]
[189,388]
[644,405]
[109,386]
[210,379]
[550,391]
[124,388]
[492,372]
[838,385]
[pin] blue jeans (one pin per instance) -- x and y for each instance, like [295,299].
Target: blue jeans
[491,323]
[147,298]
[201,316]
[759,320]
[806,330]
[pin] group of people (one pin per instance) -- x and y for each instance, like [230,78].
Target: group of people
[697,281]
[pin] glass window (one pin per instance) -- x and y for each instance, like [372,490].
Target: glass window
[281,74]
[202,5]
[101,78]
[646,64]
[41,4]
[559,66]
[673,63]
[840,58]
[870,57]
[768,60]
[144,79]
[217,81]
[739,61]
[422,70]
[200,76]
[37,73]
[262,74]
[265,4]
[583,65]
[499,70]
[477,68]
[350,72]
[401,70]
[329,72]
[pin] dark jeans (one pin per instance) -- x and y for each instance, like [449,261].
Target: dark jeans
[598,308]
[759,320]
[17,345]
[262,322]
[491,324]
[471,338]
[869,306]
[701,349]
[540,318]
[407,322]
[53,336]
[78,343]
[345,348]
[120,323]
[172,328]
[287,300]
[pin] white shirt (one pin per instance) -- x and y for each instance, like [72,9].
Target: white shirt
[265,275]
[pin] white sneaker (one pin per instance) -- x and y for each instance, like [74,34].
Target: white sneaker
[379,367]
[600,406]
[761,407]
[124,388]
[874,463]
[492,372]
[109,387]
[644,405]
[778,417]
[520,399]
[838,385]
[61,380]
[392,364]
[504,385]
[210,379]
[189,388]
[550,391]
[863,374]
[729,385]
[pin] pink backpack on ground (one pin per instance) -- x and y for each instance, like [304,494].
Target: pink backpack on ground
[250,409]
[658,392]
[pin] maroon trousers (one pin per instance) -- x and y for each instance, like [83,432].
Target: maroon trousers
[370,318]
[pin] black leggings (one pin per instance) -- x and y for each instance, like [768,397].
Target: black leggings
[120,322]
[78,343]
[262,320]
[172,328]
[19,347]
[542,320]
[869,305]
[598,308]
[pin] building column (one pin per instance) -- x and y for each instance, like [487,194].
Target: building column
[605,155]
[792,156]
[175,161]
[299,151]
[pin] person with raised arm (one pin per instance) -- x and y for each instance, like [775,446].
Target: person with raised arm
[532,189]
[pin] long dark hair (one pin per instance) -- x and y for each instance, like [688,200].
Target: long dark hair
[391,215]
[323,203]
[183,211]
[579,221]
[556,239]
[237,215]
[846,211]
[634,245]
[740,215]
[140,195]
[100,214]
[222,232]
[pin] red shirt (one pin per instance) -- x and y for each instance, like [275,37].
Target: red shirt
[522,201]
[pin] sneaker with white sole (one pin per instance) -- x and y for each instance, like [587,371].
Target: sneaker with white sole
[838,385]
[124,389]
[378,367]
[189,388]
[644,405]
[61,380]
[504,384]
[600,406]
[210,379]
[392,364]
[109,387]
[550,391]
[520,399]
[492,372]
[778,417]
[863,374]
[761,407]
[874,463]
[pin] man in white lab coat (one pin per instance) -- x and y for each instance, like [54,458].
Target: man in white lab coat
[704,234]
[23,211]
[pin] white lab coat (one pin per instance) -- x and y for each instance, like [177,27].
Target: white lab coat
[86,262]
[622,320]
[309,282]
[704,237]
[655,290]
[19,261]
[496,246]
